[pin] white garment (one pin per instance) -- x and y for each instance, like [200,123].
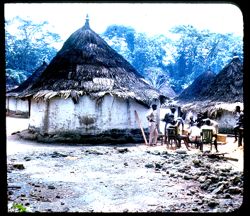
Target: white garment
[194,131]
[152,116]
[153,119]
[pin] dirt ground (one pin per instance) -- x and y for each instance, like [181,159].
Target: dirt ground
[120,178]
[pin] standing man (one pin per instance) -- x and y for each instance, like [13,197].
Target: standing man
[239,121]
[152,117]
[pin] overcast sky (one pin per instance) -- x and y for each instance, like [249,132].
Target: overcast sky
[151,18]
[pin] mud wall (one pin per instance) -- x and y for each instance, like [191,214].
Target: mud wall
[110,117]
[17,106]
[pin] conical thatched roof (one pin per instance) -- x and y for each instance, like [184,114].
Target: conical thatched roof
[167,91]
[226,86]
[198,87]
[28,82]
[224,92]
[86,64]
[228,83]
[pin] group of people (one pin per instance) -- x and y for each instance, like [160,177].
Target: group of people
[194,132]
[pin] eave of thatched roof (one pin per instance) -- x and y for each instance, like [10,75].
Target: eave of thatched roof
[87,64]
[210,107]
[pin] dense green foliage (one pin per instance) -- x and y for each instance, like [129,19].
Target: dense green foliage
[175,61]
[27,45]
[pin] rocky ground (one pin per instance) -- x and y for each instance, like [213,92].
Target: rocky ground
[120,178]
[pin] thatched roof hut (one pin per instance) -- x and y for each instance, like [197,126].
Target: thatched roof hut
[88,93]
[16,105]
[198,87]
[228,84]
[88,65]
[167,91]
[219,99]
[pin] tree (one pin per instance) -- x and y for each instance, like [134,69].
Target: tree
[156,76]
[199,51]
[27,44]
[121,39]
[181,60]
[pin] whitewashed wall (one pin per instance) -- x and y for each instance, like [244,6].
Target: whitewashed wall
[86,117]
[37,114]
[16,105]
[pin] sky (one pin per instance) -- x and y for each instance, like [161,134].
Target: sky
[149,18]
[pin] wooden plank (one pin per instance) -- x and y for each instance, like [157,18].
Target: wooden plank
[229,158]
[214,154]
[219,153]
[142,131]
[220,156]
[14,186]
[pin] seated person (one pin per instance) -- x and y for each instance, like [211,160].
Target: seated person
[212,123]
[180,127]
[169,119]
[208,125]
[194,133]
[191,121]
[170,125]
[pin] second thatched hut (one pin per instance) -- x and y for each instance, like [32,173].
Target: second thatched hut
[217,96]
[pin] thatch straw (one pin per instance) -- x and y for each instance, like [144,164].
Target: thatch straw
[211,108]
[88,64]
[198,87]
[226,86]
[215,95]
[168,91]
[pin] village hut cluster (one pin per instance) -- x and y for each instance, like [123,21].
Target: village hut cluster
[216,96]
[89,93]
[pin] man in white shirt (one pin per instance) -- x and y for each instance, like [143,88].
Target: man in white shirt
[238,120]
[153,131]
[194,133]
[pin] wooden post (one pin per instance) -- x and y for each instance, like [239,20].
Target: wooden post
[142,131]
[240,137]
